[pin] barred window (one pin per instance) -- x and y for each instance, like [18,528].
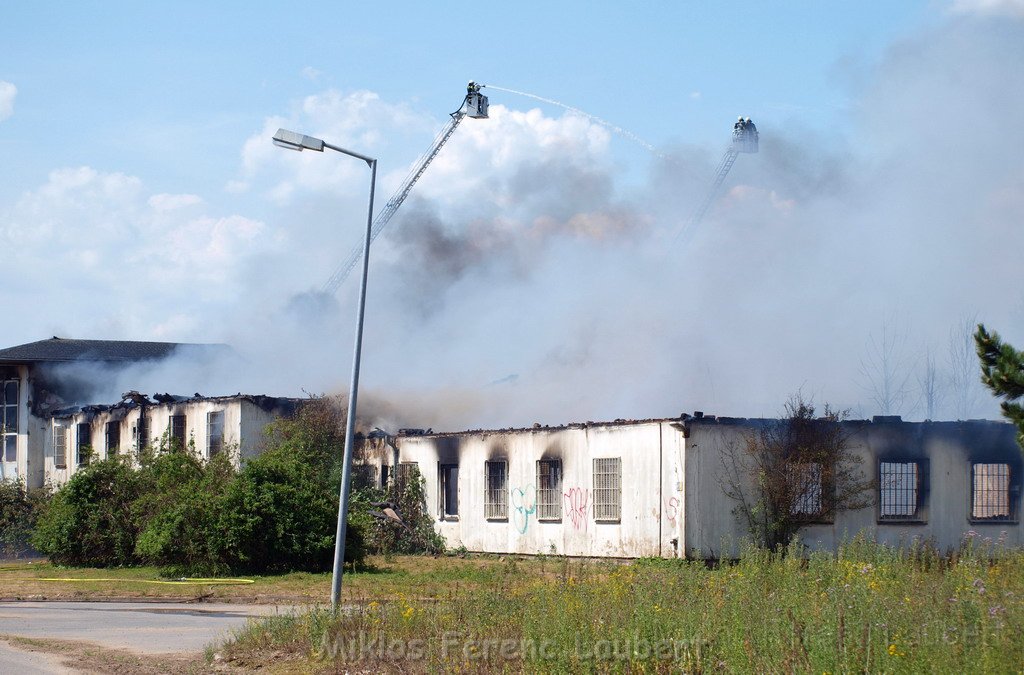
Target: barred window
[84,447]
[176,431]
[496,490]
[113,438]
[608,489]
[214,432]
[990,494]
[141,432]
[899,490]
[364,476]
[9,420]
[549,489]
[448,484]
[806,489]
[405,473]
[60,446]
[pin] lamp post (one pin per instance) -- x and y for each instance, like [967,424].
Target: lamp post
[293,141]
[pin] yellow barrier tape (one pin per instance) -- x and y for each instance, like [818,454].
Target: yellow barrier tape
[171,582]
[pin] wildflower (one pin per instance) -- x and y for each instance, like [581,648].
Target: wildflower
[892,650]
[997,610]
[874,585]
[407,614]
[373,605]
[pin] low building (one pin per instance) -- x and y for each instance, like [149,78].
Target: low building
[206,426]
[657,487]
[49,425]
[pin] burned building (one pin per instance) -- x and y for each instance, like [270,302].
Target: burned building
[51,424]
[657,487]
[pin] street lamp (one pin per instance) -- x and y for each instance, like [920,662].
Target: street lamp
[293,141]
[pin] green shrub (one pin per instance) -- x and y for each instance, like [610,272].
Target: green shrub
[90,520]
[279,515]
[19,511]
[181,513]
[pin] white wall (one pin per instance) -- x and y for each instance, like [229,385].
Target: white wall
[650,477]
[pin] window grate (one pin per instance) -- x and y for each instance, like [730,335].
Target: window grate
[549,489]
[608,489]
[496,490]
[113,438]
[84,447]
[805,486]
[990,496]
[60,446]
[899,489]
[176,431]
[214,432]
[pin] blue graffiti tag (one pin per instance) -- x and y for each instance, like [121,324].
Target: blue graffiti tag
[524,503]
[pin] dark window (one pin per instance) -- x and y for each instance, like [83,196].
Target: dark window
[142,432]
[496,490]
[449,489]
[214,432]
[176,430]
[364,476]
[992,497]
[84,446]
[805,483]
[900,490]
[113,438]
[549,489]
[385,476]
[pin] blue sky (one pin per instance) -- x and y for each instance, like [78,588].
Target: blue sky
[140,197]
[169,91]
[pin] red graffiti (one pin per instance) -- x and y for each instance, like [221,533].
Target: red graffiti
[672,509]
[576,505]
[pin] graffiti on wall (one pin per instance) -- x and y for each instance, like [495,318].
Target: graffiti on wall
[672,509]
[576,500]
[524,504]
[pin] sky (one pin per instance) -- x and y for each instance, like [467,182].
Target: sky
[536,273]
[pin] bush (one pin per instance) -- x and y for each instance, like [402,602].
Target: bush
[90,521]
[278,515]
[181,513]
[19,511]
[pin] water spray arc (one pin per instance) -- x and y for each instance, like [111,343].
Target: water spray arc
[625,133]
[473,105]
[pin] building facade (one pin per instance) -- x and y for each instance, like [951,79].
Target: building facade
[658,487]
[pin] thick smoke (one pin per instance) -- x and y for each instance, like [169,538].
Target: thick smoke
[535,276]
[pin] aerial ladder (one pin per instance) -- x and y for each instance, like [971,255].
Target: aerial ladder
[744,140]
[473,105]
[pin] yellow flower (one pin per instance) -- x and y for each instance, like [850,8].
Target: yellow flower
[374,605]
[874,585]
[407,614]
[892,650]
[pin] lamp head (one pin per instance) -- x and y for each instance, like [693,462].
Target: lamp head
[294,141]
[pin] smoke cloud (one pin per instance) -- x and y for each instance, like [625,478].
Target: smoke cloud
[533,277]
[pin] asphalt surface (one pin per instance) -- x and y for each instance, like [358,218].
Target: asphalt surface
[139,627]
[22,662]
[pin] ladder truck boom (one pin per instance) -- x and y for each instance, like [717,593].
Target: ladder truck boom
[473,105]
[744,140]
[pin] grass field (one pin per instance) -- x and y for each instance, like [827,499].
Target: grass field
[867,609]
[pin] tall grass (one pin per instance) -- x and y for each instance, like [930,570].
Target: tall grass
[866,608]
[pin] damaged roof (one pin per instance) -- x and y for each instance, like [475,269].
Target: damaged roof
[58,349]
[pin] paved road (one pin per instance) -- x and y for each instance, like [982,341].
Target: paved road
[140,627]
[23,662]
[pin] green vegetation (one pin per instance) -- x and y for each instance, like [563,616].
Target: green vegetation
[19,511]
[1002,371]
[868,608]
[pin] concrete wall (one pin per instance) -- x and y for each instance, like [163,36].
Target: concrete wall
[712,527]
[650,498]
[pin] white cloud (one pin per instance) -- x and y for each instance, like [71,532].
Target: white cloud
[169,202]
[989,7]
[311,73]
[7,93]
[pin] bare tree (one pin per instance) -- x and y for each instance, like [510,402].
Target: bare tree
[964,371]
[930,386]
[886,368]
[793,472]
